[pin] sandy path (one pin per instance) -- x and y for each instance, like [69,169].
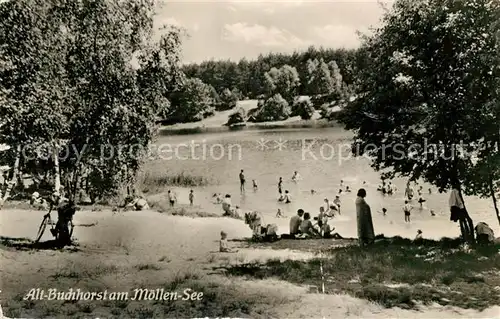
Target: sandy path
[182,244]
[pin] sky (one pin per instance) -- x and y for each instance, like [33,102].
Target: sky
[234,29]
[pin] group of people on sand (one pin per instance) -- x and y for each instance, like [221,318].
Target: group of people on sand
[301,226]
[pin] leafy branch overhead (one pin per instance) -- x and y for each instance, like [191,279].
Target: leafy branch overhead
[85,74]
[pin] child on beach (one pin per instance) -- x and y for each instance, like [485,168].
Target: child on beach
[407,210]
[223,246]
[254,185]
[191,198]
[419,235]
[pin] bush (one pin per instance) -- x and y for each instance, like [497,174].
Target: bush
[275,108]
[237,117]
[228,100]
[303,108]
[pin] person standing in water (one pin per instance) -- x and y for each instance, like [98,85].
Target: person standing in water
[280,186]
[191,198]
[242,182]
[171,198]
[254,185]
[336,201]
[407,210]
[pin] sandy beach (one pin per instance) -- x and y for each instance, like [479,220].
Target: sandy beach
[163,247]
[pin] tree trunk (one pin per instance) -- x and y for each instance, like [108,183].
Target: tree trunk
[13,180]
[467,225]
[57,173]
[492,194]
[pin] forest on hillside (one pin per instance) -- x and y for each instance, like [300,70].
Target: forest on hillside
[247,76]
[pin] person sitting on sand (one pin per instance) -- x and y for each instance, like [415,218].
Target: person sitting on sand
[279,214]
[226,205]
[347,189]
[288,198]
[327,231]
[340,191]
[254,185]
[223,246]
[484,233]
[296,177]
[236,213]
[432,213]
[313,192]
[137,203]
[307,227]
[407,210]
[38,202]
[419,235]
[295,222]
[322,217]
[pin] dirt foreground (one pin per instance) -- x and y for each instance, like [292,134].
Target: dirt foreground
[124,251]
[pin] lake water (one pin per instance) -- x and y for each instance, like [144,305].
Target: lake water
[322,158]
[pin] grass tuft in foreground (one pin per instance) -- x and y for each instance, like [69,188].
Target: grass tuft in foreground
[398,272]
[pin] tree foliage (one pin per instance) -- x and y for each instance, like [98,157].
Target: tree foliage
[229,99]
[237,117]
[275,108]
[193,102]
[283,81]
[70,82]
[429,90]
[248,75]
[303,107]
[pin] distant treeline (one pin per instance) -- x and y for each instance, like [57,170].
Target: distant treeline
[248,76]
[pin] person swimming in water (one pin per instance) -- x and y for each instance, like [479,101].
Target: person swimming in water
[421,201]
[296,177]
[279,214]
[288,197]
